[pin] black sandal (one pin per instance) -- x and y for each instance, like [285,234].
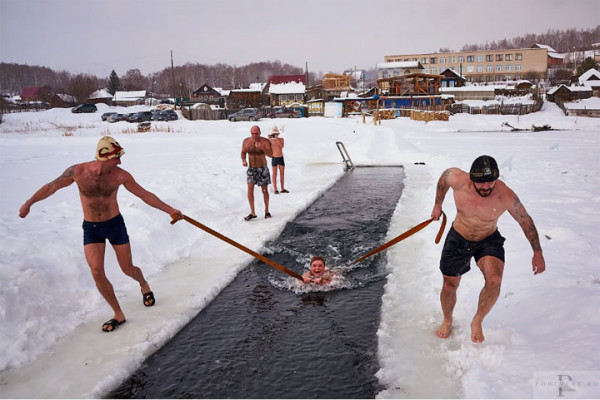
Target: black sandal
[267,215]
[111,325]
[148,299]
[249,217]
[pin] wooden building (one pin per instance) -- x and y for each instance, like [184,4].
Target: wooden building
[36,93]
[245,98]
[416,84]
[208,95]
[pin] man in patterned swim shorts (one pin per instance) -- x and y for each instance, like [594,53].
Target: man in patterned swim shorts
[98,182]
[257,149]
[480,198]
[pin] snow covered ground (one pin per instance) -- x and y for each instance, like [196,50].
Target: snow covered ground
[543,328]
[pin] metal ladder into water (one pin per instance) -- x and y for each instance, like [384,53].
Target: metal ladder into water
[345,156]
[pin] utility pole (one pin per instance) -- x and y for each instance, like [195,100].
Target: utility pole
[172,75]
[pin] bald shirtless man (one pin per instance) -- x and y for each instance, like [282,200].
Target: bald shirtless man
[98,182]
[480,198]
[258,173]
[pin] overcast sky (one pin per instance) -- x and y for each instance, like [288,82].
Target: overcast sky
[84,36]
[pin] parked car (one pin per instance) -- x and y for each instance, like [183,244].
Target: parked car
[141,116]
[105,116]
[126,117]
[84,108]
[246,114]
[115,117]
[283,113]
[171,115]
[159,115]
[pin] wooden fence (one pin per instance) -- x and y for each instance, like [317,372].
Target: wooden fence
[504,109]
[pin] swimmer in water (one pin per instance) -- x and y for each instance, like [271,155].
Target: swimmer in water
[317,273]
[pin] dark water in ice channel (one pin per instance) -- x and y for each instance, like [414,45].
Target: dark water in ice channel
[268,336]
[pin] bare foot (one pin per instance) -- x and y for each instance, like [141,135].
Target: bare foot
[444,329]
[477,332]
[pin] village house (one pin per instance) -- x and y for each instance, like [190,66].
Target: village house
[591,80]
[100,96]
[563,93]
[284,90]
[129,98]
[35,94]
[245,98]
[208,95]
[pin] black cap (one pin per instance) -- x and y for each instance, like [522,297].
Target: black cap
[484,169]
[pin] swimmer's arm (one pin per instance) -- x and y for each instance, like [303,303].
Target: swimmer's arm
[48,190]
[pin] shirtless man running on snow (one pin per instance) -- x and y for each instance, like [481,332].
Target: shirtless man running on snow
[480,198]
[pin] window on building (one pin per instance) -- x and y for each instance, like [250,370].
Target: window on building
[508,57]
[424,60]
[518,67]
[519,56]
[433,60]
[490,68]
[452,59]
[489,57]
[470,69]
[442,60]
[480,68]
[479,58]
[498,67]
[498,57]
[509,67]
[470,59]
[434,70]
[461,59]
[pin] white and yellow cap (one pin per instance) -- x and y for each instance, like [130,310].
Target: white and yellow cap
[108,148]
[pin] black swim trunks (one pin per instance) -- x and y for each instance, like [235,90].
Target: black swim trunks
[259,176]
[275,161]
[457,252]
[97,232]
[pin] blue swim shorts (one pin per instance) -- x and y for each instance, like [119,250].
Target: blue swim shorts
[457,252]
[97,232]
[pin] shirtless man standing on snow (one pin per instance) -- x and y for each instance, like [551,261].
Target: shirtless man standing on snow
[98,182]
[480,198]
[258,173]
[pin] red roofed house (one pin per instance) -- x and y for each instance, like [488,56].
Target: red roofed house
[36,93]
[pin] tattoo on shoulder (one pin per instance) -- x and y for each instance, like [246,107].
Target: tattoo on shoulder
[69,172]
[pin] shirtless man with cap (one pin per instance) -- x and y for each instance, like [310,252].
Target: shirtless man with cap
[98,182]
[257,149]
[480,198]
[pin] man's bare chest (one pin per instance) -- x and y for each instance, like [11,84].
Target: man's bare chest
[94,187]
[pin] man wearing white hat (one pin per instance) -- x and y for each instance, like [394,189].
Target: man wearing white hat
[98,182]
